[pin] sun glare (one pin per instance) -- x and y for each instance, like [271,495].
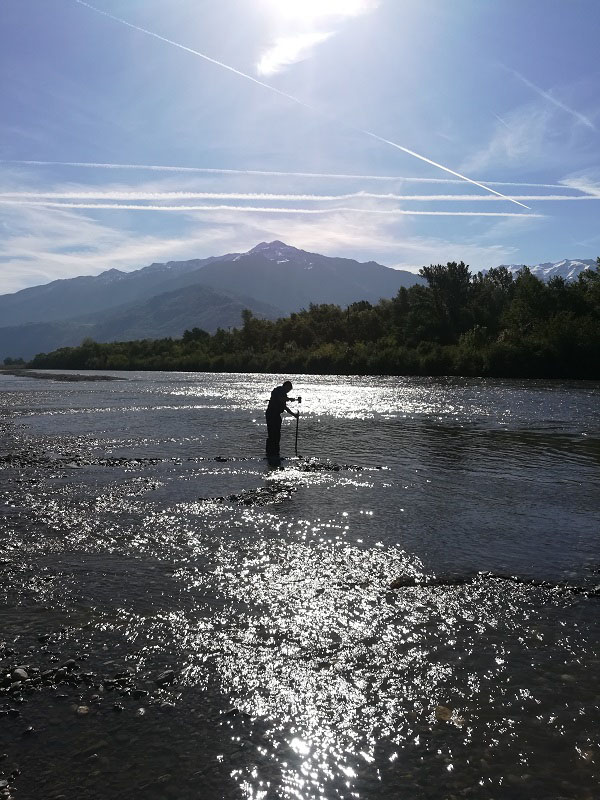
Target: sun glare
[308,11]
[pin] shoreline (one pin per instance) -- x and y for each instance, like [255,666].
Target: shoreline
[59,376]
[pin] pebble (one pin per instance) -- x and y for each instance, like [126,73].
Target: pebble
[83,710]
[443,713]
[168,676]
[19,674]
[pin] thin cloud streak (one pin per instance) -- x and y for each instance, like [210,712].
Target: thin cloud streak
[298,101]
[547,96]
[264,210]
[267,173]
[317,198]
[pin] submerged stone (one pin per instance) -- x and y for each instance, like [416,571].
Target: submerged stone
[166,677]
[443,713]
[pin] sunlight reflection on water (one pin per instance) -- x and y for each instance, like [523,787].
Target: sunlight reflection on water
[321,680]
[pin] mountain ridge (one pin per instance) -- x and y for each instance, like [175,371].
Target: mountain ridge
[567,268]
[271,279]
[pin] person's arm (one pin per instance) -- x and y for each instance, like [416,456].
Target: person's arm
[293,413]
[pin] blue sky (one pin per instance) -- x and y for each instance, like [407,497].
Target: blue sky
[325,123]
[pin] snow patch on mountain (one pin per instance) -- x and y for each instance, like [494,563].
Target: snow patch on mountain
[281,253]
[568,268]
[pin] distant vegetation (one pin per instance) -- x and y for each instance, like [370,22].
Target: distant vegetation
[493,325]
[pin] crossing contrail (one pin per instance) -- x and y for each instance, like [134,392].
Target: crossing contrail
[261,209]
[294,99]
[264,172]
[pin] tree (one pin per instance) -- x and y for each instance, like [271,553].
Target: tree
[449,286]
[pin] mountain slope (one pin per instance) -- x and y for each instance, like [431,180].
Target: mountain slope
[167,314]
[56,301]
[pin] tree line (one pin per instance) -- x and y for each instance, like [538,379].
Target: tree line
[494,324]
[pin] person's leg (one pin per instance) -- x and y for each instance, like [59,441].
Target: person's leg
[277,433]
[273,434]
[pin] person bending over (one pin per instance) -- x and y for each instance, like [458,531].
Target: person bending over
[277,405]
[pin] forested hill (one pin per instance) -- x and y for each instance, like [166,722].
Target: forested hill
[492,324]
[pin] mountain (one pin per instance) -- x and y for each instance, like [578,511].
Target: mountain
[167,314]
[274,273]
[273,279]
[568,268]
[291,279]
[55,301]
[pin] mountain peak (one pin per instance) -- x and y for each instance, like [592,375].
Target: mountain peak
[272,249]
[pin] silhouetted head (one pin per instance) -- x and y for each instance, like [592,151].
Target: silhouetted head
[287,385]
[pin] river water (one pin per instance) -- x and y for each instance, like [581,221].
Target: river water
[399,613]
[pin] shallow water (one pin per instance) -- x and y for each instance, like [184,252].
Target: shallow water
[299,672]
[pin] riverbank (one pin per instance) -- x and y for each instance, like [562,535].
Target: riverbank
[57,376]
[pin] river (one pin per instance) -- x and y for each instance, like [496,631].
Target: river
[408,609]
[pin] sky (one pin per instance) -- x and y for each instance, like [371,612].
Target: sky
[407,132]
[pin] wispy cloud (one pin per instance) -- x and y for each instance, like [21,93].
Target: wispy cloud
[300,28]
[587,181]
[552,99]
[290,50]
[41,244]
[527,140]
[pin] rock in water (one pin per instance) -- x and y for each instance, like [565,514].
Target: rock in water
[166,677]
[443,713]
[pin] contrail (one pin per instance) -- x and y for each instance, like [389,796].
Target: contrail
[446,169]
[506,125]
[265,210]
[297,100]
[316,198]
[195,53]
[266,173]
[547,96]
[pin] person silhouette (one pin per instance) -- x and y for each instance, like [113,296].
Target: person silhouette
[277,405]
